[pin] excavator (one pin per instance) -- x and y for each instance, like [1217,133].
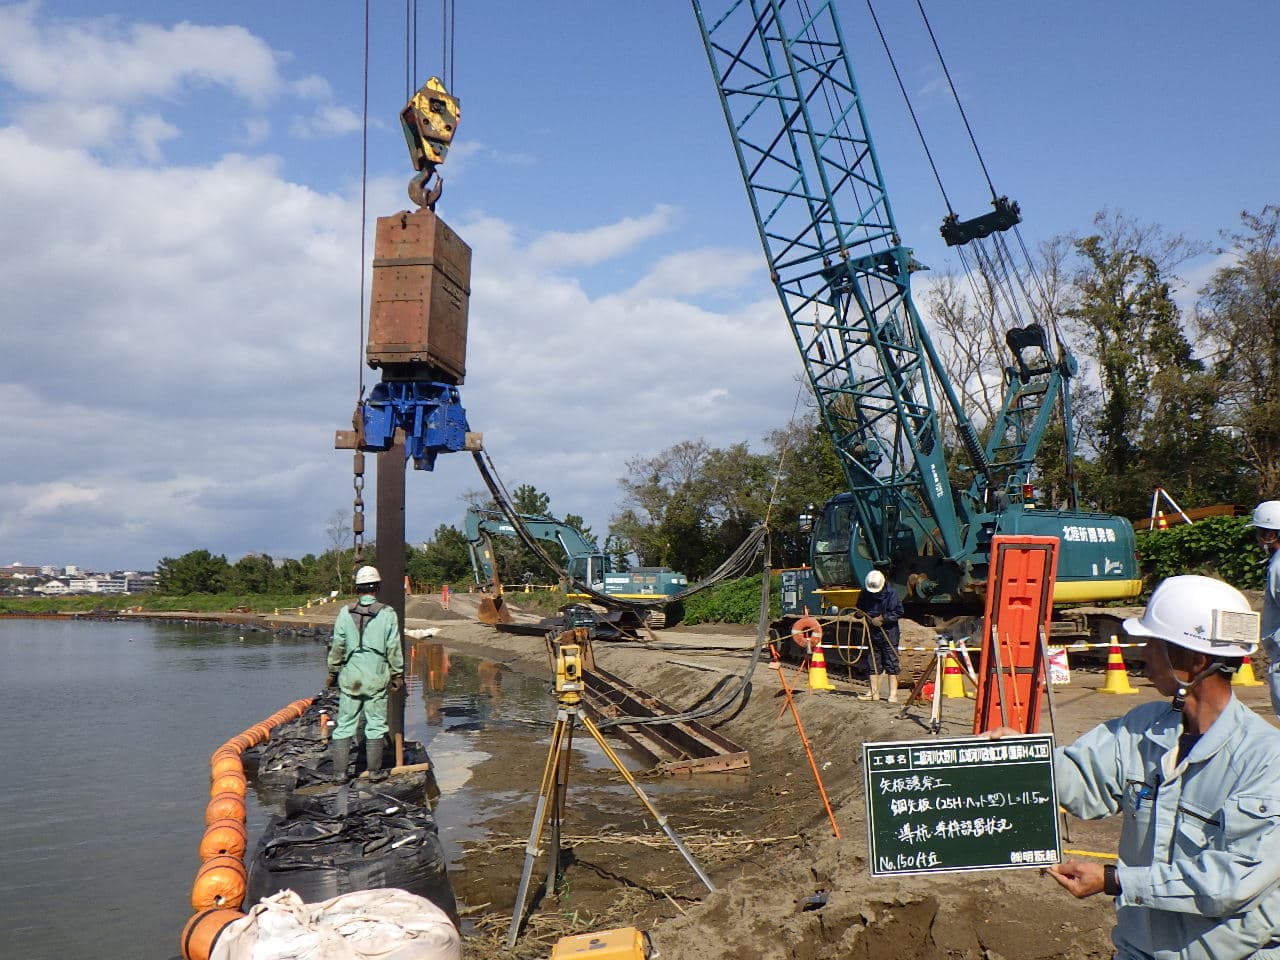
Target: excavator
[912,509]
[584,564]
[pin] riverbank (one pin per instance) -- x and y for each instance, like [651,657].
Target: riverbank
[763,836]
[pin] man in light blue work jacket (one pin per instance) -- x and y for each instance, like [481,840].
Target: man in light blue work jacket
[1266,527]
[1198,784]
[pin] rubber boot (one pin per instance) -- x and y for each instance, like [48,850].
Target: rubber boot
[893,688]
[341,757]
[373,752]
[874,682]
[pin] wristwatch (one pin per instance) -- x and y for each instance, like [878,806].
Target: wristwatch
[1110,880]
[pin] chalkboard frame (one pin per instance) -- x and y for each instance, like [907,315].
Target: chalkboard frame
[1024,765]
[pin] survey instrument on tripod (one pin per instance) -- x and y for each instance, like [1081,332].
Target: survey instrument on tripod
[553,792]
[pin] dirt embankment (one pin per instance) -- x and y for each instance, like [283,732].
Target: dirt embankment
[764,838]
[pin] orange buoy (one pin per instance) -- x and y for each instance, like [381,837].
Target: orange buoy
[225,806]
[225,837]
[228,782]
[202,930]
[220,882]
[226,762]
[224,751]
[806,632]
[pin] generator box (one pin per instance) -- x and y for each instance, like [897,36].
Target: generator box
[418,304]
[624,943]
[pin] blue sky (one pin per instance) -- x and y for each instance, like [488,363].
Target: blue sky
[180,250]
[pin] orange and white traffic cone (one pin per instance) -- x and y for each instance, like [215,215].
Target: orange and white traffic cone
[952,680]
[818,679]
[1117,677]
[1244,676]
[1161,522]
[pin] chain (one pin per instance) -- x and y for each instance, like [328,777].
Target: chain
[357,515]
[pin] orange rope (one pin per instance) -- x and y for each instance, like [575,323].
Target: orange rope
[813,764]
[1013,677]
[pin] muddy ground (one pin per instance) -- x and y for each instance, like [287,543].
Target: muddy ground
[763,837]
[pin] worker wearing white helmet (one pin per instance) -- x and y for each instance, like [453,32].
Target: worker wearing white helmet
[1266,527]
[882,607]
[1197,780]
[365,662]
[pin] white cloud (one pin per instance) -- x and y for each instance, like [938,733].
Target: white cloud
[595,245]
[181,340]
[325,121]
[88,61]
[693,273]
[149,132]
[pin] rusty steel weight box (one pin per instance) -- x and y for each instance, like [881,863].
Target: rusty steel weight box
[421,286]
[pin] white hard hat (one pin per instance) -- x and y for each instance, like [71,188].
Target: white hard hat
[874,582]
[1267,515]
[367,575]
[1200,614]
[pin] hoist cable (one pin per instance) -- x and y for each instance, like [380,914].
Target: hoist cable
[947,73]
[910,109]
[408,89]
[364,190]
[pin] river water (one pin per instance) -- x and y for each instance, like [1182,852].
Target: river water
[104,769]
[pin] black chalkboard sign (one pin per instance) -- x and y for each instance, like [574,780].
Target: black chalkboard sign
[961,804]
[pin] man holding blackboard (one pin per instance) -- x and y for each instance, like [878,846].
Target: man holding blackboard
[1198,784]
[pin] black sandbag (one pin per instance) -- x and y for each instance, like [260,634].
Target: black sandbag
[319,858]
[323,799]
[295,741]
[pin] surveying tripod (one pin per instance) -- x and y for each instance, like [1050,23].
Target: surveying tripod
[552,794]
[944,650]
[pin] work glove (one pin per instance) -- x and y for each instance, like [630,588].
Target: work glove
[397,683]
[331,681]
[877,621]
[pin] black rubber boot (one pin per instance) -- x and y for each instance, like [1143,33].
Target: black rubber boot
[373,751]
[341,757]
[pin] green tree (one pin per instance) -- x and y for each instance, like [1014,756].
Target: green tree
[197,571]
[444,558]
[1132,331]
[252,573]
[1239,312]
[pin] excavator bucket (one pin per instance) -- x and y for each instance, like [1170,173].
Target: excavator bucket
[493,611]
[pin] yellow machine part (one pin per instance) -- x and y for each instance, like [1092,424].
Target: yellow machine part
[430,119]
[624,943]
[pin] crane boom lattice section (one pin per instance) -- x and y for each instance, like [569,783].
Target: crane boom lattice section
[842,274]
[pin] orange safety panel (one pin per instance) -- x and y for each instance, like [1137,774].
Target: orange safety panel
[1018,610]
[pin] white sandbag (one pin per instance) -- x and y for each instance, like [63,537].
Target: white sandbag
[382,924]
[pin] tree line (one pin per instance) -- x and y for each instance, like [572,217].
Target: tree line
[1185,400]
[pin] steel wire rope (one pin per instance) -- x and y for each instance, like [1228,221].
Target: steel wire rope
[712,706]
[910,108]
[1026,254]
[959,106]
[364,190]
[734,565]
[758,538]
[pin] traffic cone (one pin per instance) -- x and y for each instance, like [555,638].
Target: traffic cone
[952,680]
[1161,522]
[1244,676]
[818,670]
[1117,677]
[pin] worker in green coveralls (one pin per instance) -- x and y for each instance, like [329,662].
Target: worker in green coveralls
[365,662]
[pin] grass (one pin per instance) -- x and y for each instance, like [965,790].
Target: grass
[195,602]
